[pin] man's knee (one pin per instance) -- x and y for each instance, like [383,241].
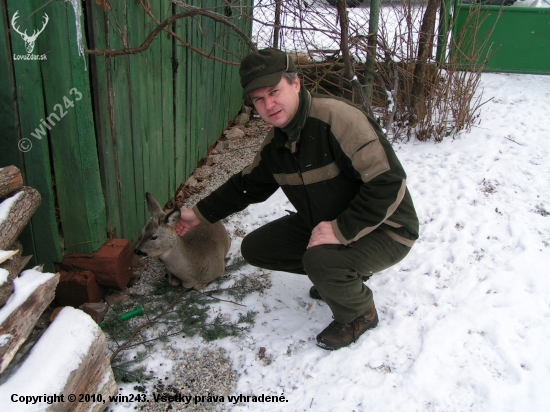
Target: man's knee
[249,249]
[320,259]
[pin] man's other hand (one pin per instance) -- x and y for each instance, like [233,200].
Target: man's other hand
[188,220]
[323,234]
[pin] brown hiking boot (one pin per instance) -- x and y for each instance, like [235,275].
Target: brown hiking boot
[337,335]
[314,293]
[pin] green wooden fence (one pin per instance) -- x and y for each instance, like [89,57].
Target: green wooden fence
[105,130]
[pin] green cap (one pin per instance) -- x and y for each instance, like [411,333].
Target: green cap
[264,68]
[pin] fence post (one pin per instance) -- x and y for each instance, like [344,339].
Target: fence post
[443,32]
[371,55]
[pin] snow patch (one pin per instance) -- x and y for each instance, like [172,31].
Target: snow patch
[24,286]
[6,205]
[3,274]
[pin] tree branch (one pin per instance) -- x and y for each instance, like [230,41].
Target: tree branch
[348,71]
[192,11]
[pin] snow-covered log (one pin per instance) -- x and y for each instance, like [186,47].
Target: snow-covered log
[10,180]
[7,254]
[9,269]
[33,292]
[15,212]
[70,359]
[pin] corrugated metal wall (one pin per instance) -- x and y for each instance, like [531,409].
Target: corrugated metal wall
[127,124]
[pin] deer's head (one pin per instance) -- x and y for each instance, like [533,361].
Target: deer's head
[158,235]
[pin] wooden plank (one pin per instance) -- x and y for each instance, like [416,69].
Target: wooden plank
[158,178]
[122,108]
[60,123]
[101,69]
[138,28]
[189,96]
[9,119]
[19,315]
[196,95]
[41,237]
[95,218]
[180,105]
[167,94]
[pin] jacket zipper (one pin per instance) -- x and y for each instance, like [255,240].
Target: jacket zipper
[304,185]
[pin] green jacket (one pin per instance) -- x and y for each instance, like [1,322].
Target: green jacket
[336,165]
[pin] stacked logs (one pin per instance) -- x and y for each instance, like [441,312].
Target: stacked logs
[81,361]
[19,203]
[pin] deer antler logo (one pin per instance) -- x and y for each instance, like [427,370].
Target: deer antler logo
[29,40]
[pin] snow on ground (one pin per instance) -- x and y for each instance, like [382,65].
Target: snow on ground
[464,318]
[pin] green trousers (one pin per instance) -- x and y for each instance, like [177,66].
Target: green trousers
[337,271]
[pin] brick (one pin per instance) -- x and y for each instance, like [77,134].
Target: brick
[112,264]
[115,298]
[97,311]
[78,287]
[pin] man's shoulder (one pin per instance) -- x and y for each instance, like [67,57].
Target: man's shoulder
[335,104]
[347,122]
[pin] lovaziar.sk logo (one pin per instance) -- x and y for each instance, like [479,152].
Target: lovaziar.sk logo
[29,40]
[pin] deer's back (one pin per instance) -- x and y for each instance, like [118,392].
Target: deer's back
[202,260]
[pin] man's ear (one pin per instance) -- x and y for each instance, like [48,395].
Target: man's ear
[172,218]
[297,84]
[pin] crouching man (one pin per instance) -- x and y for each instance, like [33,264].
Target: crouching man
[355,216]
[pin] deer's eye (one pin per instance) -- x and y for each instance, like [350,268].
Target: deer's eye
[154,237]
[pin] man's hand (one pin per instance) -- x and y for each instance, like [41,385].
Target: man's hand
[323,234]
[188,220]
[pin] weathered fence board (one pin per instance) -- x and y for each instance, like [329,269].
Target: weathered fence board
[66,86]
[41,237]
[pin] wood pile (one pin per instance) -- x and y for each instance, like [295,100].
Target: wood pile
[23,299]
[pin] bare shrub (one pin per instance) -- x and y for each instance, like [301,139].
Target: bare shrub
[438,101]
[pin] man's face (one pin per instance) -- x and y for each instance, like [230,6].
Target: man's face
[278,104]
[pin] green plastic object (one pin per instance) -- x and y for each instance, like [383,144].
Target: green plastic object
[128,315]
[520,42]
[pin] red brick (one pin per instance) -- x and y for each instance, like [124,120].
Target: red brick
[97,310]
[112,264]
[78,287]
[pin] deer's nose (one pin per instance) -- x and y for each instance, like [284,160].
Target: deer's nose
[139,252]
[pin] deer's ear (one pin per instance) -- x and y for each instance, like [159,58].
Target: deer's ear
[154,206]
[172,218]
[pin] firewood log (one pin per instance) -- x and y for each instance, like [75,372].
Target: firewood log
[14,266]
[18,322]
[22,209]
[10,180]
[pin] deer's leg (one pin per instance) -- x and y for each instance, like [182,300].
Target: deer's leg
[173,281]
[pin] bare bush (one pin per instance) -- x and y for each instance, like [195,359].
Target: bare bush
[413,96]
